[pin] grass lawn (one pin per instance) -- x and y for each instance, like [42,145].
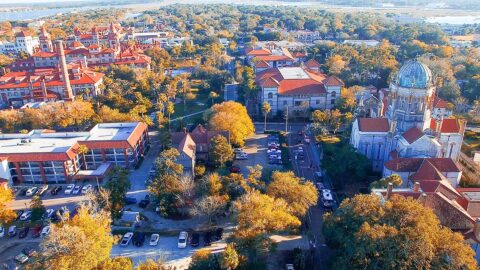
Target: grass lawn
[200,103]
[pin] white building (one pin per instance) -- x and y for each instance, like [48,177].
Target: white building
[24,42]
[298,88]
[408,131]
[368,42]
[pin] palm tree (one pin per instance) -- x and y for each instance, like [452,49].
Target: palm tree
[266,108]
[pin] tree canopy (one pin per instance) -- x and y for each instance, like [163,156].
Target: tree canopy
[6,214]
[400,233]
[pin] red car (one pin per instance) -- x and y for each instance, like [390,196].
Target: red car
[36,231]
[235,169]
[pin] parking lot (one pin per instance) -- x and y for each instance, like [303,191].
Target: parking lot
[256,149]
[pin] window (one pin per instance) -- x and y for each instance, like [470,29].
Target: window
[317,101]
[334,94]
[270,95]
[285,103]
[332,101]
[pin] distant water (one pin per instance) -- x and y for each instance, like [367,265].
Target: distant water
[457,20]
[36,14]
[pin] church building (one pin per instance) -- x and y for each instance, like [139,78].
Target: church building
[404,131]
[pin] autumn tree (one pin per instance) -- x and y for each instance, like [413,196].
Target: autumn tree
[368,233]
[117,263]
[229,259]
[299,194]
[395,179]
[37,208]
[232,117]
[152,265]
[117,187]
[266,109]
[213,95]
[220,150]
[335,64]
[204,259]
[83,242]
[6,214]
[210,207]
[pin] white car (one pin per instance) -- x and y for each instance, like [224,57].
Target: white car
[126,239]
[241,156]
[76,190]
[182,239]
[45,231]
[42,190]
[21,258]
[2,232]
[154,239]
[48,213]
[290,266]
[26,215]
[31,191]
[327,195]
[69,189]
[87,188]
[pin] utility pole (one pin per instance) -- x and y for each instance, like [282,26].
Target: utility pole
[286,121]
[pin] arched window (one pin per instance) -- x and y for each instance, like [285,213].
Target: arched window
[270,95]
[334,94]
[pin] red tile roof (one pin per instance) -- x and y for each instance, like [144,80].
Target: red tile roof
[412,135]
[448,125]
[262,64]
[268,58]
[312,64]
[272,77]
[426,172]
[440,103]
[412,164]
[373,124]
[22,34]
[257,52]
[333,81]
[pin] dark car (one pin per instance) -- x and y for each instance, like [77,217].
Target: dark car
[138,239]
[130,200]
[218,234]
[234,169]
[36,230]
[143,203]
[195,241]
[23,232]
[56,190]
[23,191]
[29,251]
[207,239]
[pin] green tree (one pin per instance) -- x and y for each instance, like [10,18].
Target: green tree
[204,259]
[395,179]
[229,259]
[266,109]
[117,187]
[36,205]
[367,233]
[220,150]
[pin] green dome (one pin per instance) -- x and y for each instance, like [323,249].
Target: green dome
[414,74]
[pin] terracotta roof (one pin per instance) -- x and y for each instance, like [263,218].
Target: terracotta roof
[187,146]
[44,54]
[373,124]
[412,135]
[137,133]
[262,64]
[299,54]
[311,84]
[439,103]
[312,64]
[426,171]
[268,58]
[449,125]
[256,52]
[412,164]
[333,81]
[22,34]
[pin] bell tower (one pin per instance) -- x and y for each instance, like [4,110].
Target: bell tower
[45,40]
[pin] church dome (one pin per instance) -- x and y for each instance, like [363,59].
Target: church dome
[414,74]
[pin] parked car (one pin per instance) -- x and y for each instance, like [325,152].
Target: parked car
[143,203]
[87,188]
[154,239]
[130,200]
[42,190]
[55,190]
[289,266]
[45,231]
[21,258]
[2,231]
[234,169]
[319,176]
[138,239]
[76,190]
[195,241]
[26,215]
[126,239]
[29,251]
[182,239]
[238,150]
[69,189]
[320,186]
[207,239]
[31,191]
[36,230]
[19,213]
[218,233]
[241,156]
[10,265]
[23,232]
[22,191]
[48,214]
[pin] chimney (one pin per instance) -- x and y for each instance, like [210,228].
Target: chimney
[423,199]
[389,190]
[44,88]
[63,66]
[476,229]
[416,187]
